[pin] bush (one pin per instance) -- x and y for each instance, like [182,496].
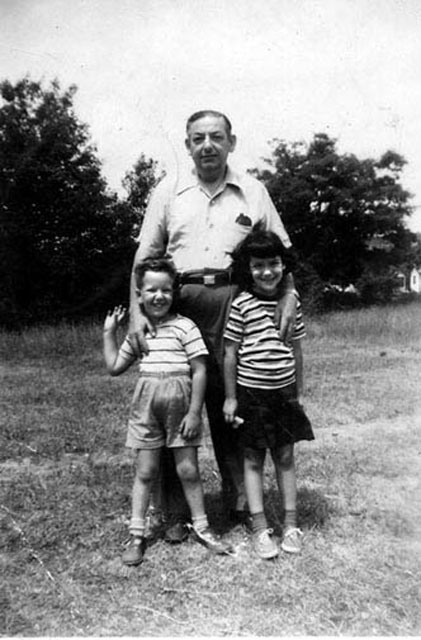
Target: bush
[377,287]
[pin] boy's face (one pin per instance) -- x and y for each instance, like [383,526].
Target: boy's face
[266,274]
[156,294]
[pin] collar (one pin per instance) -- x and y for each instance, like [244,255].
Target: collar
[189,180]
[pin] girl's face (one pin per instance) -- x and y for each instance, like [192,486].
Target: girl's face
[266,274]
[156,294]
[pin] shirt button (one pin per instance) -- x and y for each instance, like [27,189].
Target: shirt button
[206,248]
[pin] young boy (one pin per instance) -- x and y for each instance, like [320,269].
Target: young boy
[167,403]
[264,384]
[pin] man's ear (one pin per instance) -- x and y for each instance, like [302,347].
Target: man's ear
[233,140]
[187,143]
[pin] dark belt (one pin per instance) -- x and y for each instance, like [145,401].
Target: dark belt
[210,279]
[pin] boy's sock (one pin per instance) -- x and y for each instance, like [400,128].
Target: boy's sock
[290,519]
[200,523]
[137,527]
[258,522]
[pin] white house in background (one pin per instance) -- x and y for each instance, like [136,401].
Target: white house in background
[415,280]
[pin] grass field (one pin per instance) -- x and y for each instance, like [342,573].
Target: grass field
[65,497]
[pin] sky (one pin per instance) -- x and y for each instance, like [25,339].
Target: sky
[283,69]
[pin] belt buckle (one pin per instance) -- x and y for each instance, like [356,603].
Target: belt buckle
[209,279]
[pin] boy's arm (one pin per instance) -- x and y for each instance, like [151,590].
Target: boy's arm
[115,363]
[299,371]
[230,380]
[190,426]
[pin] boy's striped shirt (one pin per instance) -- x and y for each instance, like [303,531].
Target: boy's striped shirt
[177,341]
[264,361]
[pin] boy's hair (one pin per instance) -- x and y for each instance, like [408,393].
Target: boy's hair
[259,243]
[154,264]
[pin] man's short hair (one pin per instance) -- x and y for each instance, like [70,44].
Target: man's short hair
[209,112]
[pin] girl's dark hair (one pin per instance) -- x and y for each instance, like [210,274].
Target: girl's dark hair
[154,264]
[259,243]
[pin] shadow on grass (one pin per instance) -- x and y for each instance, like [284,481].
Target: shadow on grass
[314,510]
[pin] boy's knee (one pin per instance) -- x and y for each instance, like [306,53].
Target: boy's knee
[147,473]
[187,471]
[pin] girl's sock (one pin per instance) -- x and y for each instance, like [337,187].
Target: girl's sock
[290,519]
[258,522]
[200,523]
[137,527]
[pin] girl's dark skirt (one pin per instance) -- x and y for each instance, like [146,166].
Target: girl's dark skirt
[272,418]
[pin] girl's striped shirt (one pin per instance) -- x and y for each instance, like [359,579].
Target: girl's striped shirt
[264,362]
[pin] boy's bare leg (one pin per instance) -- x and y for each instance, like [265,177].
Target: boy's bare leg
[187,466]
[147,468]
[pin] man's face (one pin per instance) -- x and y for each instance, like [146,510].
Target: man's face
[209,145]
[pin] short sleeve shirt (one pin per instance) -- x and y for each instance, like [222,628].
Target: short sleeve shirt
[177,341]
[197,231]
[264,361]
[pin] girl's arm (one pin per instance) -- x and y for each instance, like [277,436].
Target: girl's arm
[115,363]
[190,426]
[299,374]
[230,380]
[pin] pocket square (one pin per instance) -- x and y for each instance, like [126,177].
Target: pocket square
[244,220]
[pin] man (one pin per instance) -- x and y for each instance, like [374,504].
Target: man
[196,221]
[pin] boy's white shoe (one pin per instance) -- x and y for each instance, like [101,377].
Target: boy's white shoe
[214,543]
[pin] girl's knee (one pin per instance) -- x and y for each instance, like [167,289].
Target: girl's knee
[285,457]
[253,459]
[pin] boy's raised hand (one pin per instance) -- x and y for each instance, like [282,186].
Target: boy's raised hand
[114,318]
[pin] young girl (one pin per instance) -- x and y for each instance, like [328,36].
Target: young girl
[167,403]
[264,384]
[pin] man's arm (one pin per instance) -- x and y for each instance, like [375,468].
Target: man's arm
[139,324]
[152,243]
[286,309]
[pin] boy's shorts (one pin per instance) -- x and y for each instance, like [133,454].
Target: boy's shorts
[272,418]
[159,404]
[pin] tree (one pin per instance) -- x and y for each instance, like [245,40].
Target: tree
[139,182]
[345,216]
[54,210]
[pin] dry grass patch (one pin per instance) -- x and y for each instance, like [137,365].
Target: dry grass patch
[65,485]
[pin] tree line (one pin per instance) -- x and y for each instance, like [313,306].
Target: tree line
[67,241]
